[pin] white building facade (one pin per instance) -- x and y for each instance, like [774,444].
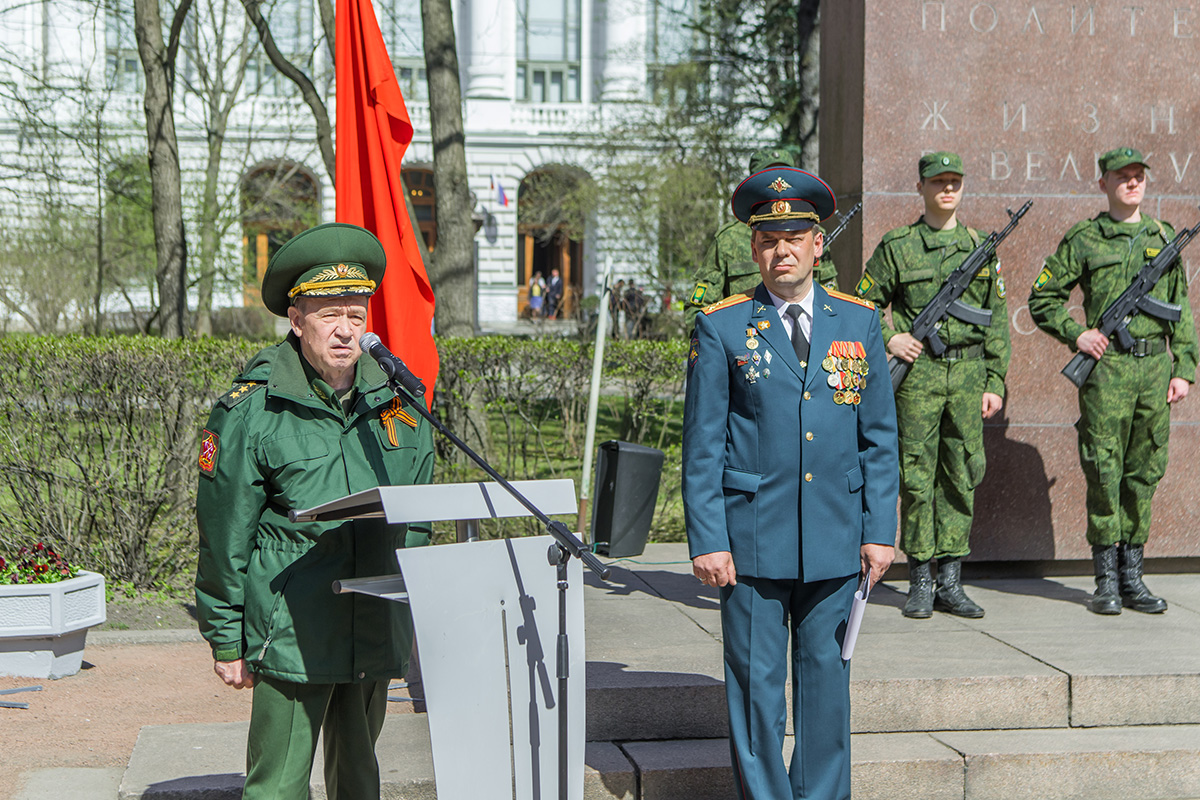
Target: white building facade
[539,78]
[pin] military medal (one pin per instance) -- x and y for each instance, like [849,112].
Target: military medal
[834,381]
[752,343]
[756,358]
[767,355]
[839,397]
[766,373]
[828,364]
[752,374]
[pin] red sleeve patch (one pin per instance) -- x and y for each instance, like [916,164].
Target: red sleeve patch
[210,444]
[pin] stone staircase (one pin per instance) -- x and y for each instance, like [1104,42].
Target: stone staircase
[1040,700]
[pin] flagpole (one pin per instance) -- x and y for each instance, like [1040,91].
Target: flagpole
[594,399]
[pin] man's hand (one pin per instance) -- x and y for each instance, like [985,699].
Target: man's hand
[905,347]
[1177,389]
[1092,342]
[715,569]
[876,558]
[992,403]
[234,673]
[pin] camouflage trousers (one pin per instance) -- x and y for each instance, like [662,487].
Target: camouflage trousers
[1124,423]
[938,409]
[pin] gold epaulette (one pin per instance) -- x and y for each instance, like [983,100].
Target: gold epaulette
[849,298]
[240,392]
[732,300]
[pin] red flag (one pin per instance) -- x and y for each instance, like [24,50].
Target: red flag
[373,131]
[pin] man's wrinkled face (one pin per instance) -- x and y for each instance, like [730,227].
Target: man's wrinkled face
[785,259]
[942,192]
[328,329]
[1125,187]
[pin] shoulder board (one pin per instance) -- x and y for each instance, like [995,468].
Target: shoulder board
[1079,227]
[896,233]
[849,298]
[732,300]
[240,392]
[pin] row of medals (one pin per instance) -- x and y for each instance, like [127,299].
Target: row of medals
[752,374]
[847,368]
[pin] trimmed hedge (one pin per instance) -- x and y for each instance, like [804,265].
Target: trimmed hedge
[98,451]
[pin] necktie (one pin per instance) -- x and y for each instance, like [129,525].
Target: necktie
[799,341]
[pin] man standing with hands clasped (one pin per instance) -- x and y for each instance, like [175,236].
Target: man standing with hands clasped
[307,422]
[1125,404]
[944,400]
[789,487]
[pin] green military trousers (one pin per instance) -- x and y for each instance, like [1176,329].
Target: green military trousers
[1124,424]
[284,722]
[939,413]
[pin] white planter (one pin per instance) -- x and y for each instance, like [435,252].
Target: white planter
[43,625]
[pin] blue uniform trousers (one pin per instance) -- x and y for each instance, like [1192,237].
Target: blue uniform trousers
[758,616]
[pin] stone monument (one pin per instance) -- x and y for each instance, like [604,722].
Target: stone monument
[1029,93]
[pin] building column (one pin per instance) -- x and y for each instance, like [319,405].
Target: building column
[490,48]
[624,77]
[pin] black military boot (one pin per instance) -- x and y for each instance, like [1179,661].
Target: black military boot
[1134,593]
[1106,599]
[950,596]
[920,591]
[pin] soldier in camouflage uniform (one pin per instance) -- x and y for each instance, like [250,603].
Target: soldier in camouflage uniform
[1124,406]
[941,406]
[728,267]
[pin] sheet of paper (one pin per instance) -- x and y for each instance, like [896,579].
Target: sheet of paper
[857,609]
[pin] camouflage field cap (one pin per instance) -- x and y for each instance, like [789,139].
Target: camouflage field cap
[783,199]
[332,260]
[1121,157]
[770,157]
[936,163]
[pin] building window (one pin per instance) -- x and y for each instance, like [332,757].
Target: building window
[124,66]
[671,75]
[419,182]
[548,45]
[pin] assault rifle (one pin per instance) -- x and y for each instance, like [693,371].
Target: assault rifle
[843,223]
[946,302]
[1134,300]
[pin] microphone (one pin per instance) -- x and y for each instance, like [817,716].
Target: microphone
[390,364]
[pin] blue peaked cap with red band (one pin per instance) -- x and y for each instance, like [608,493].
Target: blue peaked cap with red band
[783,199]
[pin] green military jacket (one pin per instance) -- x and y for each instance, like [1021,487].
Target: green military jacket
[1102,256]
[276,442]
[729,268]
[909,267]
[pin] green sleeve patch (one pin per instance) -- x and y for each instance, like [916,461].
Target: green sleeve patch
[1151,252]
[864,285]
[999,285]
[699,293]
[1042,279]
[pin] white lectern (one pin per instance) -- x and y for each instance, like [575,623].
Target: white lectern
[486,617]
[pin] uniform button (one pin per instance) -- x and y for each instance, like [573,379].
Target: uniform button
[808,436]
[362,675]
[807,396]
[808,477]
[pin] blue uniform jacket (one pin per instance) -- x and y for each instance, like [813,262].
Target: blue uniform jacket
[774,470]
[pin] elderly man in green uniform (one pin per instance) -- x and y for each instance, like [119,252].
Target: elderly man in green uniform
[729,267]
[308,421]
[1124,406]
[941,406]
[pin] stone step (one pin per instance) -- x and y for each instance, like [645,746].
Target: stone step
[1159,762]
[1037,660]
[76,783]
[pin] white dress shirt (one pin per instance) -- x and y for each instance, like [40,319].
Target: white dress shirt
[806,313]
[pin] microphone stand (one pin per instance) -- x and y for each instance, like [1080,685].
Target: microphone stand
[566,545]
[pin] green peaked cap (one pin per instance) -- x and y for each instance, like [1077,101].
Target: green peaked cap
[331,260]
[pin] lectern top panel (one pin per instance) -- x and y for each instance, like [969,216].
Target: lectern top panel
[447,501]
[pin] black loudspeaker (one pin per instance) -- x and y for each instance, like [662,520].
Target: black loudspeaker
[627,478]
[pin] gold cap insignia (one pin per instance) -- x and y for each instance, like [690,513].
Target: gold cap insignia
[781,207]
[779,185]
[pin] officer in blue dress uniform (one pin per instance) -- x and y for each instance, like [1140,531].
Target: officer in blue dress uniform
[790,482]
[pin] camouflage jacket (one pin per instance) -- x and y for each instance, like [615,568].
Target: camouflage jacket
[909,267]
[1102,256]
[729,268]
